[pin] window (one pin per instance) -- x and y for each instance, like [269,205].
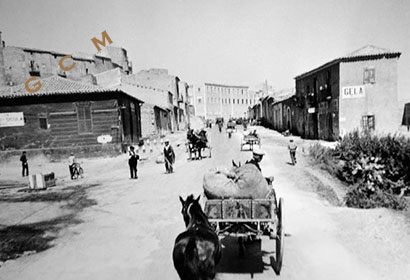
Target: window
[43,123]
[84,117]
[199,99]
[233,101]
[369,76]
[368,123]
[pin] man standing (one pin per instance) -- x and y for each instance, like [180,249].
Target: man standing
[169,157]
[292,150]
[132,162]
[24,164]
[71,163]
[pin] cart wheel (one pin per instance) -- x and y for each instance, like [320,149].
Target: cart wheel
[280,237]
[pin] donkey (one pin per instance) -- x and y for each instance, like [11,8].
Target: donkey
[197,250]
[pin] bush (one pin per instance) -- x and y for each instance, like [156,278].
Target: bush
[325,158]
[377,167]
[391,152]
[359,198]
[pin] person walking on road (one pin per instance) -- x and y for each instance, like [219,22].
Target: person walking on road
[24,164]
[71,165]
[169,157]
[292,151]
[133,162]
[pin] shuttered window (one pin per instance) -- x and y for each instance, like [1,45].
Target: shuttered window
[84,117]
[368,123]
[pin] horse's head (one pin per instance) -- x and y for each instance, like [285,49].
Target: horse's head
[186,205]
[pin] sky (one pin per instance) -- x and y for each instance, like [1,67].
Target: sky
[234,42]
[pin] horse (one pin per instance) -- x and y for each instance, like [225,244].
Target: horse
[199,141]
[197,250]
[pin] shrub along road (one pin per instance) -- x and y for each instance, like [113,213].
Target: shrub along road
[129,233]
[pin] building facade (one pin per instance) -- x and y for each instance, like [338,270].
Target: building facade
[65,113]
[17,64]
[358,91]
[216,100]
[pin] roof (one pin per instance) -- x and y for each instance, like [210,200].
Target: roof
[282,98]
[220,85]
[147,95]
[82,56]
[54,85]
[368,52]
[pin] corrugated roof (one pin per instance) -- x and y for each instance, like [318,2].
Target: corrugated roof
[368,52]
[54,85]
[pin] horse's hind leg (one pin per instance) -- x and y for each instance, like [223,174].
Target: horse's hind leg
[241,247]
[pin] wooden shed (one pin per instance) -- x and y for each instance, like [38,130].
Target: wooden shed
[66,113]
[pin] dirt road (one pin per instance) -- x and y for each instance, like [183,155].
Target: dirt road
[130,233]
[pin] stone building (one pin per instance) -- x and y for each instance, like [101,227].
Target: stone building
[161,79]
[156,109]
[216,100]
[357,91]
[17,64]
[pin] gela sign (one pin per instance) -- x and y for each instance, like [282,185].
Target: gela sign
[37,85]
[353,92]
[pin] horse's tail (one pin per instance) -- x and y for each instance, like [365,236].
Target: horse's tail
[199,269]
[191,253]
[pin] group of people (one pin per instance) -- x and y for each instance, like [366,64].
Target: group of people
[169,159]
[24,164]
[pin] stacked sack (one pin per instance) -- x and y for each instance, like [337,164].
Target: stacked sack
[239,182]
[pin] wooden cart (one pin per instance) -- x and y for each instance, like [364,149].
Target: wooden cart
[250,140]
[246,218]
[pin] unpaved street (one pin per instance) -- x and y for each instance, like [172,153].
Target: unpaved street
[130,233]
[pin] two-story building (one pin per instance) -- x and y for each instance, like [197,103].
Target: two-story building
[357,91]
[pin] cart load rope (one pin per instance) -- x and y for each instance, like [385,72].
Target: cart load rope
[239,182]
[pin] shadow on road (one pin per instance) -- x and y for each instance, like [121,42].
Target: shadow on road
[251,262]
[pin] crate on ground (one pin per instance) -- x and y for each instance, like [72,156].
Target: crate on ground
[42,181]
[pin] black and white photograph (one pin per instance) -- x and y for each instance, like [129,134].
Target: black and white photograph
[204,140]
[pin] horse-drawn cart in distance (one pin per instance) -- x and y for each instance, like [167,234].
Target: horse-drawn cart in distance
[250,139]
[244,218]
[197,144]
